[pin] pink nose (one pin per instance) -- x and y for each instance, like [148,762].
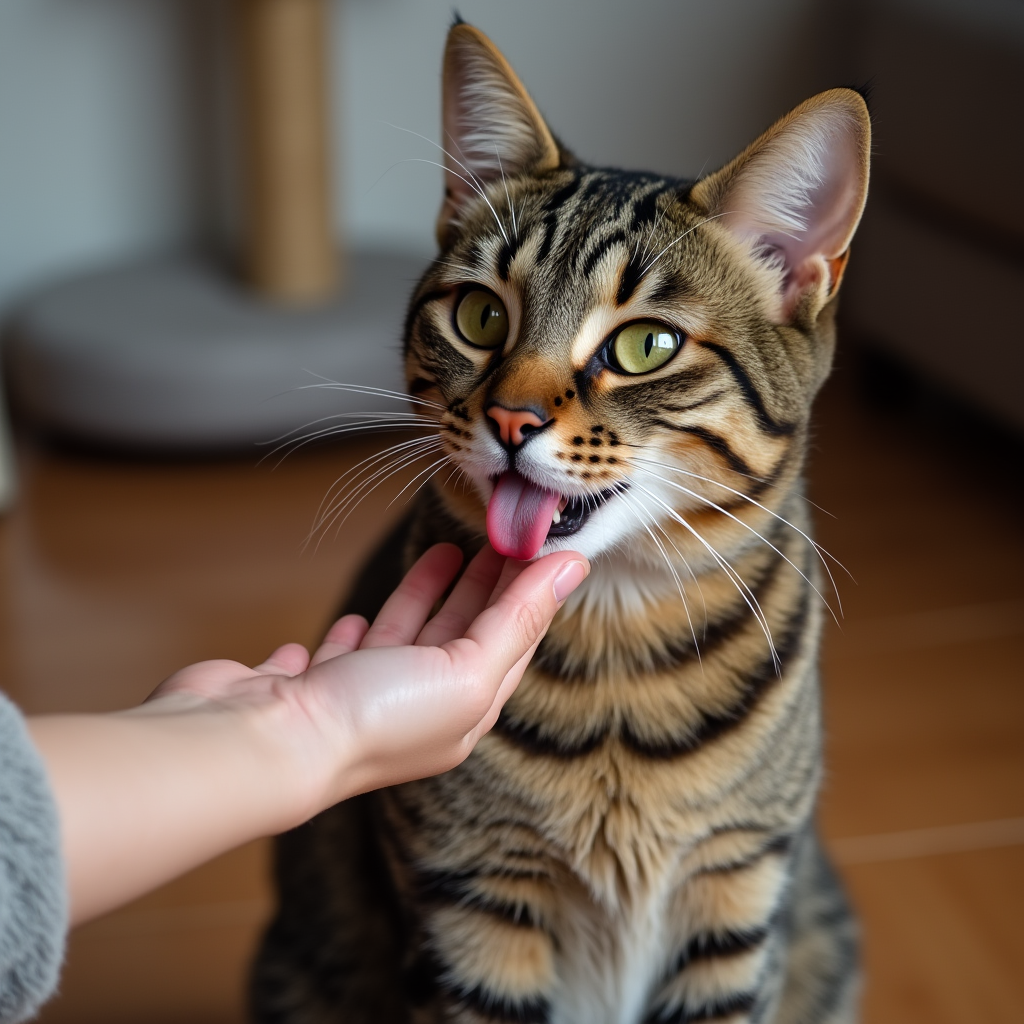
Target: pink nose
[514,424]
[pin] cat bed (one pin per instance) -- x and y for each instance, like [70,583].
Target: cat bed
[175,354]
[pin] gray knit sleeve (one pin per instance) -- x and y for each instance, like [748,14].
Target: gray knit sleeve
[33,897]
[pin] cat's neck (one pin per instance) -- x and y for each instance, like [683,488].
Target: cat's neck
[634,615]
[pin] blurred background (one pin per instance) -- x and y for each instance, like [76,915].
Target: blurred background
[121,143]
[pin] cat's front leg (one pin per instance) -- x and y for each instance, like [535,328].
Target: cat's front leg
[769,940]
[484,961]
[727,964]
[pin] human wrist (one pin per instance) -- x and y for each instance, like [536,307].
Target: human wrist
[308,768]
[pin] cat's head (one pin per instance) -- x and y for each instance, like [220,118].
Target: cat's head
[623,360]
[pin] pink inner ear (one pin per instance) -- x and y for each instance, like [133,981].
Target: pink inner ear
[829,209]
[800,198]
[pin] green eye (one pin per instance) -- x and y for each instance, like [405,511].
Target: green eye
[644,346]
[481,319]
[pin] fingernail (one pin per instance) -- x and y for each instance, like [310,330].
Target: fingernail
[569,578]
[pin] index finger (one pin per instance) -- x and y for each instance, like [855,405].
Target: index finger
[406,610]
[469,597]
[506,630]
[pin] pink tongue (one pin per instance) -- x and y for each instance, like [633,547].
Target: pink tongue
[519,516]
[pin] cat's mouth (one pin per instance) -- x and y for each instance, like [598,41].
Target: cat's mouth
[521,515]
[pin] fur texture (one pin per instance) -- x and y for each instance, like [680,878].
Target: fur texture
[33,901]
[633,842]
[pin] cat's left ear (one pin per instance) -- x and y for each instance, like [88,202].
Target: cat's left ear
[491,125]
[796,194]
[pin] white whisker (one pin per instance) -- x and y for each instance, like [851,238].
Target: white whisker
[365,465]
[326,435]
[448,478]
[647,266]
[367,422]
[818,549]
[360,489]
[437,145]
[389,417]
[747,526]
[472,181]
[377,426]
[508,198]
[444,458]
[650,236]
[367,389]
[472,184]
[744,590]
[349,502]
[628,503]
[682,558]
[368,465]
[460,267]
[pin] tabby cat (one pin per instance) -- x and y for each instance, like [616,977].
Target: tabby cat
[622,364]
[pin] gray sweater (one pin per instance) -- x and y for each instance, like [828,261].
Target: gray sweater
[33,896]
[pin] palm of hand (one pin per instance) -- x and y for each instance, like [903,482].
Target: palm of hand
[404,697]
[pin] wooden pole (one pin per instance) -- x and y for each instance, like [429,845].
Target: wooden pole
[290,252]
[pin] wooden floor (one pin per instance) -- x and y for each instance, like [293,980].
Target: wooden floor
[116,573]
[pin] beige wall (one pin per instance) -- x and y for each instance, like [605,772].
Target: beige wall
[115,139]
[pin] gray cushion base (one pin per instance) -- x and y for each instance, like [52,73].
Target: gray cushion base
[174,354]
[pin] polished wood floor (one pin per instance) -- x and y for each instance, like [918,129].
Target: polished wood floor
[117,572]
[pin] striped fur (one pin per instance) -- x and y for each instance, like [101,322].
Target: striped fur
[633,842]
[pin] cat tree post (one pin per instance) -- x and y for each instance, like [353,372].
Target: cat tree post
[290,248]
[177,353]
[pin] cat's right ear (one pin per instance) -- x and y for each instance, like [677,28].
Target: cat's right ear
[796,194]
[491,126]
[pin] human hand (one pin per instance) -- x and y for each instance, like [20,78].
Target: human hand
[406,696]
[221,754]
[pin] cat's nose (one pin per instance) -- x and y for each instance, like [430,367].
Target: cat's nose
[514,425]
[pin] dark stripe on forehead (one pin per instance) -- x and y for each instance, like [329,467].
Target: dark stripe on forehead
[506,255]
[477,255]
[632,274]
[645,210]
[751,396]
[645,213]
[552,208]
[597,253]
[671,290]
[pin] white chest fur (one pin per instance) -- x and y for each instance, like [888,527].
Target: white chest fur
[611,961]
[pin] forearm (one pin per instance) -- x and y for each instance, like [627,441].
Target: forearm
[147,794]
